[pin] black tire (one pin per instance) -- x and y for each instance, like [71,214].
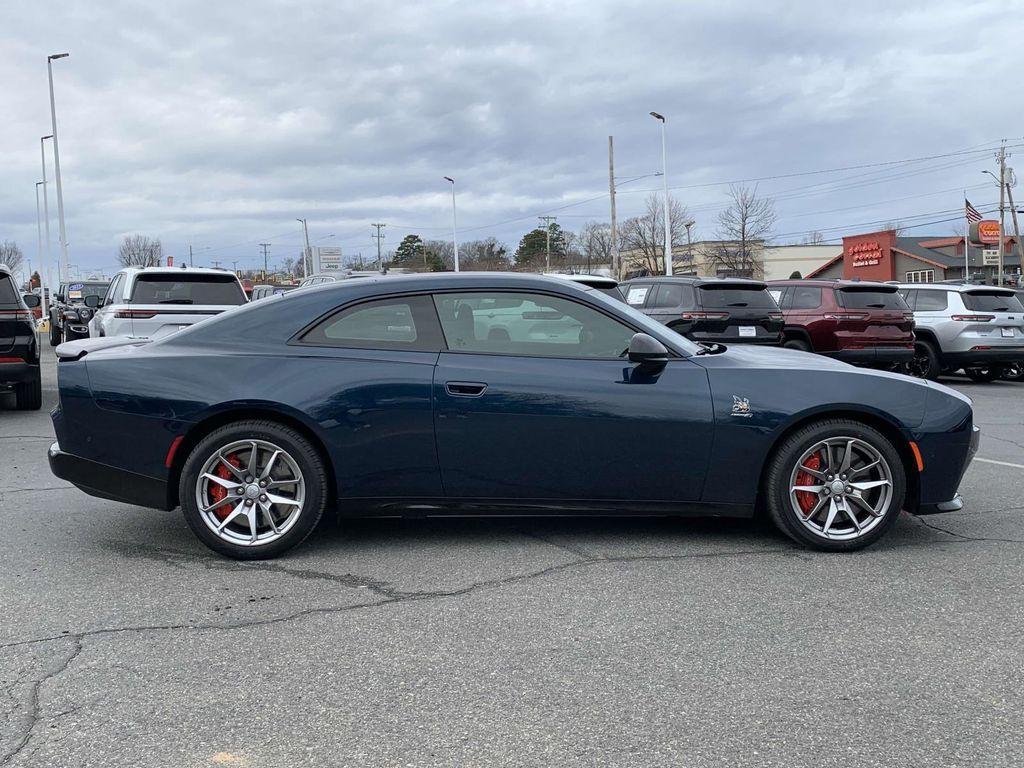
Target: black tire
[28,396]
[926,364]
[783,462]
[985,374]
[1013,372]
[55,334]
[799,344]
[309,463]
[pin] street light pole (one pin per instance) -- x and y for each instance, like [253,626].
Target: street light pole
[39,240]
[308,253]
[664,178]
[56,164]
[689,244]
[46,209]
[455,238]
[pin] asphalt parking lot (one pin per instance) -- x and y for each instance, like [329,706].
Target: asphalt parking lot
[516,642]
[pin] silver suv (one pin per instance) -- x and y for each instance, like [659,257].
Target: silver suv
[977,328]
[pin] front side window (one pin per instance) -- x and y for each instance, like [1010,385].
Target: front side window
[406,322]
[529,324]
[172,288]
[114,291]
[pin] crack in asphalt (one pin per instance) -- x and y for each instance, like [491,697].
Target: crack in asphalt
[1004,440]
[964,537]
[34,715]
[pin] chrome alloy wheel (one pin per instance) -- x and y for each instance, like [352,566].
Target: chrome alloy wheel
[841,488]
[250,492]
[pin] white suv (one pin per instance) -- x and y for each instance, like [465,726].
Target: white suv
[151,302]
[979,328]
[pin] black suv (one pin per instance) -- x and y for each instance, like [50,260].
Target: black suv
[69,317]
[19,346]
[709,309]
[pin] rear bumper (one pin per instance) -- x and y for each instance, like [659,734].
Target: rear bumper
[983,356]
[18,373]
[106,482]
[873,355]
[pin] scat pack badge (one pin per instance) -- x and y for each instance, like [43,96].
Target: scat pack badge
[741,407]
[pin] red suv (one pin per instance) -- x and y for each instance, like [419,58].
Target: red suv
[857,322]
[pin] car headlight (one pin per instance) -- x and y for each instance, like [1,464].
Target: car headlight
[71,314]
[85,314]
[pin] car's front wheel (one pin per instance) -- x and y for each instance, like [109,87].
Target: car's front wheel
[253,489]
[55,335]
[835,485]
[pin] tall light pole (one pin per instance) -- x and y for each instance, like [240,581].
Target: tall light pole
[664,178]
[689,243]
[46,209]
[56,163]
[308,253]
[455,238]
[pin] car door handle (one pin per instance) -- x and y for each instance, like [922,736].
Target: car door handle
[465,388]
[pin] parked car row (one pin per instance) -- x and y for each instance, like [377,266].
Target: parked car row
[19,344]
[920,329]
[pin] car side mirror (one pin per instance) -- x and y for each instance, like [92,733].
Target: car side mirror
[647,350]
[31,300]
[92,301]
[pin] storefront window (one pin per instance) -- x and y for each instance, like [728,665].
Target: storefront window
[921,276]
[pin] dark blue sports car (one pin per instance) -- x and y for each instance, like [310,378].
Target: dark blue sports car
[493,394]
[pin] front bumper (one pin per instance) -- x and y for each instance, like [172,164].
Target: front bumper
[957,502]
[106,482]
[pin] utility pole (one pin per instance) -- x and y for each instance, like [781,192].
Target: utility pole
[547,228]
[378,236]
[215,264]
[309,251]
[1016,226]
[234,267]
[264,246]
[1002,207]
[190,255]
[39,233]
[46,213]
[616,265]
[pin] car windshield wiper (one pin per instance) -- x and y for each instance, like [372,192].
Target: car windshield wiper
[175,301]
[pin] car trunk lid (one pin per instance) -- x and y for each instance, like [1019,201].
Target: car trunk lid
[874,315]
[737,311]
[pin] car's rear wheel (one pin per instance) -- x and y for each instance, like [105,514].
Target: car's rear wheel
[253,489]
[28,396]
[925,363]
[984,374]
[799,344]
[835,485]
[1013,371]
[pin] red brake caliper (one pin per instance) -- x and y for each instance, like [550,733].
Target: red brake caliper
[806,499]
[218,492]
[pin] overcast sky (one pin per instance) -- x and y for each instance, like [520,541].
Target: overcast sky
[216,124]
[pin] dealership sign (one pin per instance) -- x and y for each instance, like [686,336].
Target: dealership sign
[866,254]
[985,231]
[329,259]
[990,257]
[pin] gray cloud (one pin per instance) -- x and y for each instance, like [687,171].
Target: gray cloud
[217,124]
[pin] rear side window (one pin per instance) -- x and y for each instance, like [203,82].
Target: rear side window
[187,289]
[993,301]
[9,291]
[672,295]
[931,301]
[855,299]
[407,323]
[805,297]
[721,297]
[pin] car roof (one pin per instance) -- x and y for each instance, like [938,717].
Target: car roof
[594,281]
[439,281]
[870,285]
[745,282]
[176,271]
[959,287]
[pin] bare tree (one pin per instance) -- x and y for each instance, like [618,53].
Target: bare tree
[483,255]
[596,243]
[743,228]
[11,255]
[814,238]
[140,251]
[643,237]
[894,225]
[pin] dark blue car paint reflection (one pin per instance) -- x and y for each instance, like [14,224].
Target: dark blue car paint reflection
[548,434]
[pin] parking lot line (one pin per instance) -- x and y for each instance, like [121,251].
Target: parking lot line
[1000,463]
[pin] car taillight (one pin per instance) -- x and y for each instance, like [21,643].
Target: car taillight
[774,315]
[18,314]
[137,314]
[704,315]
[973,318]
[11,360]
[908,315]
[847,316]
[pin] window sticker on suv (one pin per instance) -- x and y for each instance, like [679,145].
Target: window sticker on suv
[637,296]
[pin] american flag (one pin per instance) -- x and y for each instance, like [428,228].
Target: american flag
[972,214]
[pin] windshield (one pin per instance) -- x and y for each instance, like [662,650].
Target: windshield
[646,324]
[187,289]
[723,296]
[996,301]
[78,291]
[873,300]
